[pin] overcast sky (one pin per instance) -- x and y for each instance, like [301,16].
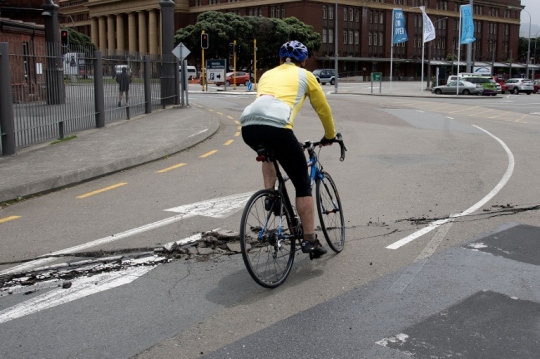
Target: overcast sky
[533,7]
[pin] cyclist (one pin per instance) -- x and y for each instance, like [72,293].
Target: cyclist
[269,121]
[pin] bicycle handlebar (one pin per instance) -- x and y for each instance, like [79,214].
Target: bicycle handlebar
[338,139]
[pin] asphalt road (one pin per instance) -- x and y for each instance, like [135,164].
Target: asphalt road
[440,198]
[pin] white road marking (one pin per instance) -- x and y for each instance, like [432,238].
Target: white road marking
[198,133]
[433,225]
[216,208]
[412,270]
[80,287]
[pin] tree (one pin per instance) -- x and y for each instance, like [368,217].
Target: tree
[224,28]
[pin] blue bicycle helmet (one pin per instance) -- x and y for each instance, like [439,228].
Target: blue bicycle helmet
[293,49]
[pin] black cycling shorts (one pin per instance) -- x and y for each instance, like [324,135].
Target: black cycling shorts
[287,150]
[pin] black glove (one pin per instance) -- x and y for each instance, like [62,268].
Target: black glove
[325,142]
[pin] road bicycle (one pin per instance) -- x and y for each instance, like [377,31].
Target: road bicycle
[270,230]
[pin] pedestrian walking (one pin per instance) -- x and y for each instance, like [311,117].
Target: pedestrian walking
[123,80]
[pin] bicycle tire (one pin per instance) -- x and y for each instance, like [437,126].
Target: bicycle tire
[330,212]
[267,260]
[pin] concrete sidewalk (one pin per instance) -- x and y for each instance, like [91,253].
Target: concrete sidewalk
[98,152]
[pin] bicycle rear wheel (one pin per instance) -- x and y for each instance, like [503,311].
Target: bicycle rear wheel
[267,238]
[330,212]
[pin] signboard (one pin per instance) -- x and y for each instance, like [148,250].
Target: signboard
[477,70]
[215,71]
[181,51]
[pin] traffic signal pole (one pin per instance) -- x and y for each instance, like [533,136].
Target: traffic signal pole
[204,45]
[234,64]
[255,63]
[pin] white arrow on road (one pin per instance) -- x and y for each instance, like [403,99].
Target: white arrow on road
[80,287]
[216,208]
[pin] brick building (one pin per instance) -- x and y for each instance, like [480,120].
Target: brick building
[26,41]
[363,30]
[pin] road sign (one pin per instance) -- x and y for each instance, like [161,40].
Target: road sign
[215,71]
[181,51]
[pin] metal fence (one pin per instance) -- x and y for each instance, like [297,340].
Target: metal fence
[55,93]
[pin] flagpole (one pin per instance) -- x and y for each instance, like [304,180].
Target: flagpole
[423,42]
[458,52]
[392,50]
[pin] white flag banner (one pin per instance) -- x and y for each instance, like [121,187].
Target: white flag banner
[429,29]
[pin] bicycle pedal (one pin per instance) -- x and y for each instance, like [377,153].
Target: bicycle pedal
[313,256]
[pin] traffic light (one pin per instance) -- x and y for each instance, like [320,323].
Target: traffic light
[204,41]
[231,48]
[64,37]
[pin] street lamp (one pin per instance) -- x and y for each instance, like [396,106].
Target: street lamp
[529,46]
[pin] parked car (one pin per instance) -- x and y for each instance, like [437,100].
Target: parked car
[536,85]
[517,86]
[489,85]
[325,76]
[465,88]
[500,81]
[242,78]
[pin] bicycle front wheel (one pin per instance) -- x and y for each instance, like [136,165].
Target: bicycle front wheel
[330,212]
[267,238]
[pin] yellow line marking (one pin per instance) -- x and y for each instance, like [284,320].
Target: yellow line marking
[229,117]
[521,118]
[499,115]
[171,168]
[219,113]
[208,154]
[465,109]
[210,110]
[237,122]
[10,218]
[102,190]
[228,142]
[237,134]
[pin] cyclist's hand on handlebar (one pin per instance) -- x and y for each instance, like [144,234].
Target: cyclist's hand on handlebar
[326,142]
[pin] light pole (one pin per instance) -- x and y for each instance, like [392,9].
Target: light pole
[336,49]
[529,45]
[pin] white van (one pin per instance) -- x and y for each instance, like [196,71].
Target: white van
[191,72]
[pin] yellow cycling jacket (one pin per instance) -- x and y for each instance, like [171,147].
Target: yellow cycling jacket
[280,95]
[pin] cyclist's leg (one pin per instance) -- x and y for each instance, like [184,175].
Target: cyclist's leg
[269,174]
[291,157]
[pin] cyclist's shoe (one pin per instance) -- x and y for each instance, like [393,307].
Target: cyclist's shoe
[272,204]
[314,248]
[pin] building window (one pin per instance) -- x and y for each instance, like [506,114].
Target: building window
[324,36]
[344,37]
[351,18]
[330,36]
[283,12]
[370,39]
[324,12]
[357,16]
[351,38]
[356,37]
[344,14]
[331,12]
[375,38]
[381,17]
[380,39]
[272,11]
